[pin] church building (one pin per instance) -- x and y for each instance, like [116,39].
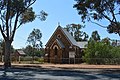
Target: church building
[62,48]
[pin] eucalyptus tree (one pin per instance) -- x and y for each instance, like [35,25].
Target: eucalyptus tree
[34,39]
[95,36]
[97,10]
[28,50]
[106,40]
[76,32]
[13,14]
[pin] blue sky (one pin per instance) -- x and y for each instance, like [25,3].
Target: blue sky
[58,11]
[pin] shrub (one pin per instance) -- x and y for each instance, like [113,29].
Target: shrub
[115,53]
[100,53]
[41,60]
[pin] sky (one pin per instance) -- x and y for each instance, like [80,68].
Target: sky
[59,11]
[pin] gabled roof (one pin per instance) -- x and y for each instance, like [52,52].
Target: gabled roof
[67,35]
[60,43]
[21,52]
[70,39]
[82,44]
[73,41]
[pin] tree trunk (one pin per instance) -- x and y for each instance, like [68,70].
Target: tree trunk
[7,60]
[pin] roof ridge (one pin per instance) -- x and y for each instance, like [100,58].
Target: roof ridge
[69,36]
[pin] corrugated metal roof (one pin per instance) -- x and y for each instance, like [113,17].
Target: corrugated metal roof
[73,41]
[21,52]
[69,36]
[70,39]
[60,43]
[82,44]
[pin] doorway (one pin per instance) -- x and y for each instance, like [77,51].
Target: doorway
[55,55]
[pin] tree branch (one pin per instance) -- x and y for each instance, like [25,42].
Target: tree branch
[31,3]
[98,24]
[10,26]
[2,32]
[3,22]
[19,25]
[24,11]
[117,13]
[112,12]
[15,26]
[7,17]
[28,6]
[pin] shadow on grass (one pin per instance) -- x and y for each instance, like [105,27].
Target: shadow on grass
[39,73]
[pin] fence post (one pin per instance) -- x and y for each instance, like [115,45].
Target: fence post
[19,59]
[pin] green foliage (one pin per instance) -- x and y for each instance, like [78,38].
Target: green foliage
[26,58]
[101,53]
[27,16]
[39,53]
[13,14]
[98,10]
[42,15]
[28,50]
[114,27]
[115,52]
[34,49]
[41,60]
[35,38]
[106,40]
[95,36]
[75,31]
[95,52]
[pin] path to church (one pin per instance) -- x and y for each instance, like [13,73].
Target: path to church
[52,72]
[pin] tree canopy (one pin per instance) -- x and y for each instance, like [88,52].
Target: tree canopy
[95,36]
[13,14]
[37,52]
[75,31]
[35,38]
[98,10]
[102,52]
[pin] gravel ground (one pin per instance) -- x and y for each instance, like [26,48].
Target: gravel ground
[69,66]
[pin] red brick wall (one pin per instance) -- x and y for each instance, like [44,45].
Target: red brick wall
[63,53]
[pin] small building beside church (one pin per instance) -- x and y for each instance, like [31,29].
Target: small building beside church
[62,48]
[18,54]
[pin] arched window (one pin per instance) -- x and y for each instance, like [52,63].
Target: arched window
[56,50]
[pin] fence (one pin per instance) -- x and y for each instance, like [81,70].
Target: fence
[64,60]
[29,59]
[106,61]
[24,59]
[114,61]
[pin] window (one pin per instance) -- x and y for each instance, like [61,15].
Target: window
[58,36]
[56,50]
